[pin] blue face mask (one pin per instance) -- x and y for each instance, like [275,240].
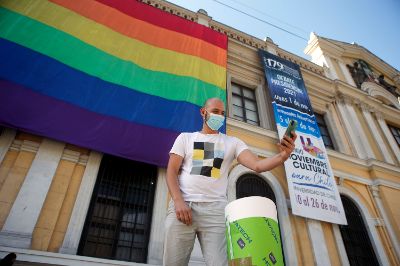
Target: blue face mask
[215,121]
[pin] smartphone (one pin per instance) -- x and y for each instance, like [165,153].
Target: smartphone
[291,127]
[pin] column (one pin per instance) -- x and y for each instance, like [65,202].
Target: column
[354,141]
[156,242]
[381,209]
[358,130]
[321,255]
[388,135]
[346,73]
[6,140]
[366,110]
[338,136]
[340,245]
[78,216]
[18,228]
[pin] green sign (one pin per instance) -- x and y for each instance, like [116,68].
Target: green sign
[254,241]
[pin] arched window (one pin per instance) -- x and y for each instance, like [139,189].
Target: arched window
[252,185]
[355,236]
[118,222]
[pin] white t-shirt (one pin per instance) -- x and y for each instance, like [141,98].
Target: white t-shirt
[203,175]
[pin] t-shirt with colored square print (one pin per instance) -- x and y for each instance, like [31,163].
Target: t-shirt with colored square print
[206,161]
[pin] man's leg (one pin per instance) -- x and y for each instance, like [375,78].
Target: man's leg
[179,240]
[211,232]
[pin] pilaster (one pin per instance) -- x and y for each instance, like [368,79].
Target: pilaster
[366,111]
[18,228]
[388,135]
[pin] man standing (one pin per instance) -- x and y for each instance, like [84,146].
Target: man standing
[197,179]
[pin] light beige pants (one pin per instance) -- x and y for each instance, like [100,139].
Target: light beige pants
[209,226]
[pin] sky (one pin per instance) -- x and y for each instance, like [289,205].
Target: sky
[374,25]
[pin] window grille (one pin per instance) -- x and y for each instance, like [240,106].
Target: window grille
[355,236]
[118,222]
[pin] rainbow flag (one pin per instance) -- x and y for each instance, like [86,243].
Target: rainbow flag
[117,76]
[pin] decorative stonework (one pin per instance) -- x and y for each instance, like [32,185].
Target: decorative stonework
[374,191]
[340,181]
[380,93]
[83,159]
[75,157]
[365,107]
[379,115]
[379,222]
[396,80]
[357,102]
[344,99]
[169,8]
[72,156]
[25,145]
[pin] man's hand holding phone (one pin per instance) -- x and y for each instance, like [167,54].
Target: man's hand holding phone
[286,145]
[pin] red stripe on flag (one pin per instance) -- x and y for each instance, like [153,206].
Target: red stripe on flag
[163,19]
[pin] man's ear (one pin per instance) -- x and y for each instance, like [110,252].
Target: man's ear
[203,112]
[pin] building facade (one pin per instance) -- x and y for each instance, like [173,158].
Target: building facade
[62,204]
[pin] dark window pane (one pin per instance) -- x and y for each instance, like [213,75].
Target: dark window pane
[250,115]
[238,111]
[249,93]
[235,89]
[323,128]
[117,225]
[396,133]
[236,100]
[319,118]
[251,105]
[324,131]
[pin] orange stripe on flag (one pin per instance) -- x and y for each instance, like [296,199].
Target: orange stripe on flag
[145,32]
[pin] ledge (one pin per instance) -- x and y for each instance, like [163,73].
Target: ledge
[49,258]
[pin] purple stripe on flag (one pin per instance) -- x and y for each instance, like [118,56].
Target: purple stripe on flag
[39,114]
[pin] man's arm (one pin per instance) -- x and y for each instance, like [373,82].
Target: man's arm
[183,212]
[250,160]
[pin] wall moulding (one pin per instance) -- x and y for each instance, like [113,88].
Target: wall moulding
[380,93]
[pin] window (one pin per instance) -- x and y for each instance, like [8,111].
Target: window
[118,222]
[355,236]
[396,134]
[323,128]
[244,104]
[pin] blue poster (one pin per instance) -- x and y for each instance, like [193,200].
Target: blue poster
[312,187]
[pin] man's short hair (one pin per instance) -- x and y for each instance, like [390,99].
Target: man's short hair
[209,99]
